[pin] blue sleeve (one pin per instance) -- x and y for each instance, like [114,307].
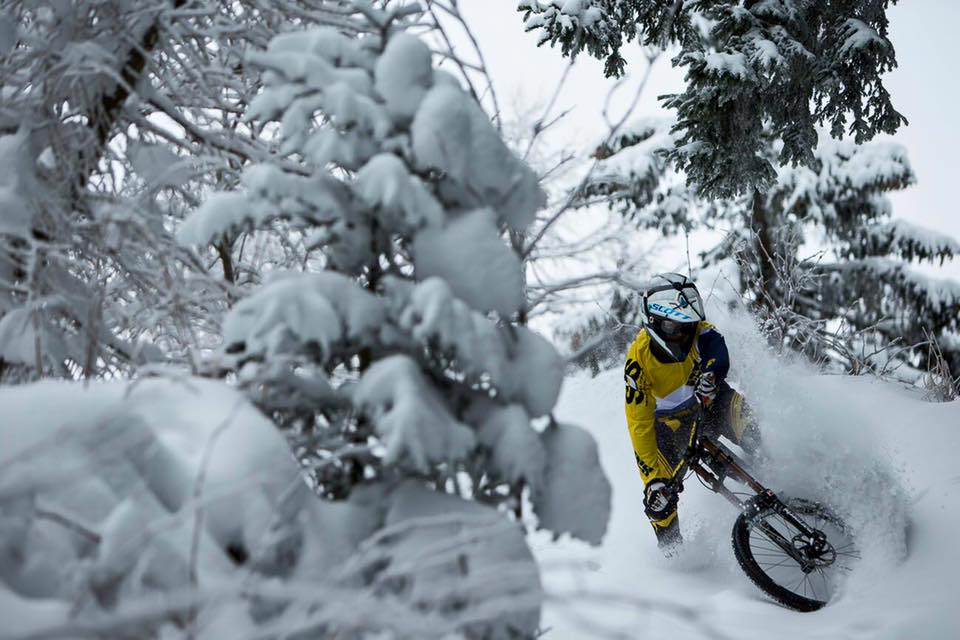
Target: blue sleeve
[713,352]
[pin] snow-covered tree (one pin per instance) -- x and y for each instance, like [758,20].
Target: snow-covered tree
[113,292]
[377,201]
[116,117]
[570,257]
[856,299]
[819,255]
[761,78]
[395,354]
[753,68]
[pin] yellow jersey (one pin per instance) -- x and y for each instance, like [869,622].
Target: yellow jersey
[651,383]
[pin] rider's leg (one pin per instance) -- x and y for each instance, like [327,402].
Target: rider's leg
[668,532]
[744,425]
[663,518]
[730,415]
[672,431]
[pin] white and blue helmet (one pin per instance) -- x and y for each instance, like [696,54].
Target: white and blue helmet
[673,309]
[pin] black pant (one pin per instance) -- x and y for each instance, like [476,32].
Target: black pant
[728,415]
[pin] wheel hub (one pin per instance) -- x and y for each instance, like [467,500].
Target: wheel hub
[813,551]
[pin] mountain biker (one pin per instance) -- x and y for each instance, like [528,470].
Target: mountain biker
[677,360]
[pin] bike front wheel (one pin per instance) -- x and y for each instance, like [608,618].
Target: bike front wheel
[797,569]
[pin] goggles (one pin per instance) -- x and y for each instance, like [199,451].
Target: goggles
[673,330]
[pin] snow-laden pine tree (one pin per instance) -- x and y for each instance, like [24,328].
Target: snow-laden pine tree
[753,68]
[116,118]
[392,358]
[829,264]
[820,255]
[762,76]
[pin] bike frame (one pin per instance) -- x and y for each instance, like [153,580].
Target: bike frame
[714,463]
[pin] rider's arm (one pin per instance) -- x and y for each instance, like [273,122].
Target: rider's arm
[713,351]
[640,405]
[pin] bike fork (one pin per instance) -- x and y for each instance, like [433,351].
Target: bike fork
[724,464]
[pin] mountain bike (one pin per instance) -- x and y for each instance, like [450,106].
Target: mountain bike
[796,551]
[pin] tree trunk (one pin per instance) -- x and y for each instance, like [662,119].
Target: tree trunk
[766,286]
[104,113]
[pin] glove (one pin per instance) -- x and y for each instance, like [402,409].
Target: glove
[659,499]
[707,388]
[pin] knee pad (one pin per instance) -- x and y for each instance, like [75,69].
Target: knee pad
[662,512]
[742,421]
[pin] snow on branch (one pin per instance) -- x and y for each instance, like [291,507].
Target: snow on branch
[316,311]
[412,419]
[634,157]
[909,242]
[514,364]
[932,300]
[575,497]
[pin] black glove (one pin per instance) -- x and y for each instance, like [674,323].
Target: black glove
[707,388]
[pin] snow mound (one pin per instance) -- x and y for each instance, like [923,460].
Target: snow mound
[172,507]
[113,493]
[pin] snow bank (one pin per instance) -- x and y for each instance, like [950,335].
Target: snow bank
[116,492]
[151,508]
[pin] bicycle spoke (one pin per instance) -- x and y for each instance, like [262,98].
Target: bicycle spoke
[826,585]
[765,543]
[799,582]
[826,582]
[785,562]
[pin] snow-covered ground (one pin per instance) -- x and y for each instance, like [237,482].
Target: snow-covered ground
[879,454]
[154,493]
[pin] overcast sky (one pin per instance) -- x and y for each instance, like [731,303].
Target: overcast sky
[925,88]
